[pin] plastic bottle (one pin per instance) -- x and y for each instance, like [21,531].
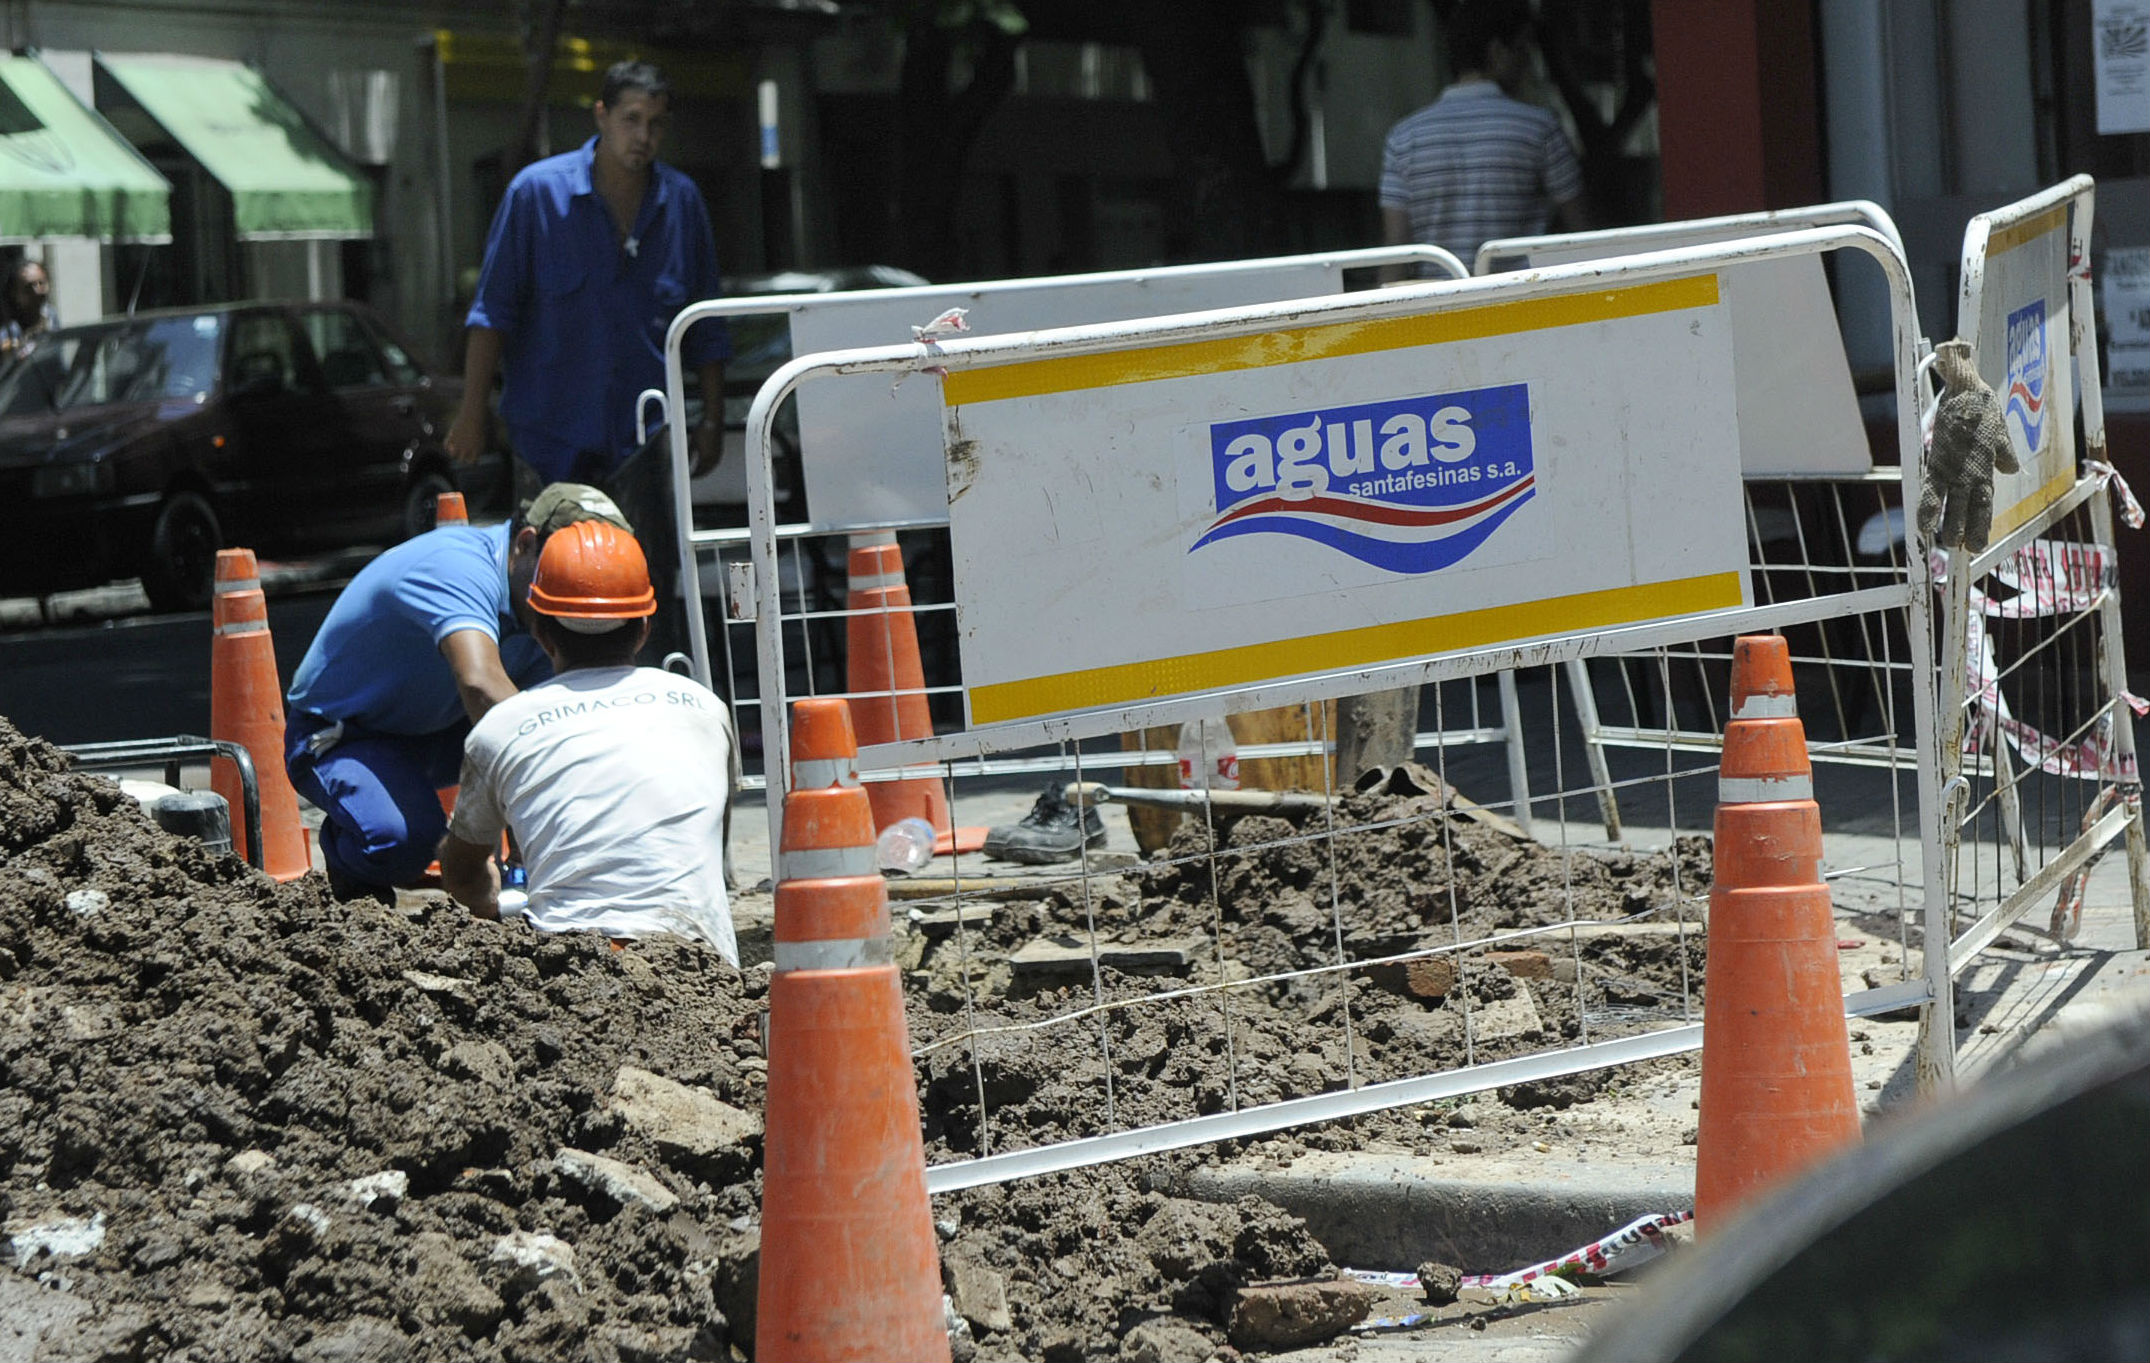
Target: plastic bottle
[905,845]
[514,896]
[1208,757]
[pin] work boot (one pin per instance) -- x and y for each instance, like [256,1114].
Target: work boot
[1053,830]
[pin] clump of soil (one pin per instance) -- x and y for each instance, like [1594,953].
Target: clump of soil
[280,1127]
[1110,1254]
[1269,896]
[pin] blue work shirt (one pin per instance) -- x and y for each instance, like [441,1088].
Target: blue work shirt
[583,317]
[376,662]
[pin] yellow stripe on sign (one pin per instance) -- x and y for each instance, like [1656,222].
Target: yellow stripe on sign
[2009,518]
[2008,238]
[1128,683]
[1035,378]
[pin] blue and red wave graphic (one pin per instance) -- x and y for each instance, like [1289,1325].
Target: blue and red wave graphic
[1356,525]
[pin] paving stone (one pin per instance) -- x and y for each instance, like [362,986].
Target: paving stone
[980,1296]
[622,1182]
[676,1118]
[1524,965]
[1292,1315]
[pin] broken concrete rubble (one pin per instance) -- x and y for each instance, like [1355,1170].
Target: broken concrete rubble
[1294,1315]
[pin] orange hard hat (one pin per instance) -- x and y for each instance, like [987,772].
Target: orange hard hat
[592,570]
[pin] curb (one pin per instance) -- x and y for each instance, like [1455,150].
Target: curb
[1396,1212]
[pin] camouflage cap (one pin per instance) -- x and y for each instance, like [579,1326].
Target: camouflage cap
[563,504]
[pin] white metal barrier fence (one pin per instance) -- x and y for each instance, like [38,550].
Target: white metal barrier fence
[1891,602]
[2035,617]
[2037,741]
[1818,512]
[811,593]
[837,443]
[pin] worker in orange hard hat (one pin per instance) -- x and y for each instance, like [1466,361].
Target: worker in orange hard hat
[614,778]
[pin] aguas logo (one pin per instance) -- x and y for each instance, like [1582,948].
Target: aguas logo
[1411,485]
[2024,402]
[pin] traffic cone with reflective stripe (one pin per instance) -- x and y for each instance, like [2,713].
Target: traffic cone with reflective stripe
[849,1266]
[246,706]
[888,686]
[448,509]
[1776,1062]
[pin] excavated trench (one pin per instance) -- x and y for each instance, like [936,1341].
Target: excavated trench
[243,1121]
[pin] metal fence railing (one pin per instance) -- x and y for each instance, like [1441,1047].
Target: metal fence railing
[2037,738]
[1308,955]
[1351,951]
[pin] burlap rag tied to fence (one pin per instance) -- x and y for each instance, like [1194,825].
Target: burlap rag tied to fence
[1970,441]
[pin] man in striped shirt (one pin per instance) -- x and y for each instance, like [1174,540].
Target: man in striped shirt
[1476,165]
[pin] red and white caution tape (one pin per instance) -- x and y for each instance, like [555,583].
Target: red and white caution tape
[1631,1246]
[2131,510]
[929,339]
[2043,579]
[2067,917]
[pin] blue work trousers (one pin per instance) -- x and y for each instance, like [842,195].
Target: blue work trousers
[380,795]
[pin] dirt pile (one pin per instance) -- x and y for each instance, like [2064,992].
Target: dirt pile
[241,1121]
[1281,896]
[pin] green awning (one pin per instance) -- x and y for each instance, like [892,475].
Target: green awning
[286,181]
[64,172]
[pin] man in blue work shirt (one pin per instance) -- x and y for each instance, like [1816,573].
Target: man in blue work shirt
[425,640]
[591,256]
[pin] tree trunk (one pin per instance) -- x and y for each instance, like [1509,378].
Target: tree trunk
[1379,729]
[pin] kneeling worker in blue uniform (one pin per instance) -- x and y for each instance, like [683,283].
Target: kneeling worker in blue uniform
[426,639]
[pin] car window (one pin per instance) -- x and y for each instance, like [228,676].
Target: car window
[163,358]
[264,359]
[347,356]
[402,369]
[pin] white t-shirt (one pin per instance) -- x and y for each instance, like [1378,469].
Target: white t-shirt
[614,780]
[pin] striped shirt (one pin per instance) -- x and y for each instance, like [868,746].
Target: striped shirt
[1474,166]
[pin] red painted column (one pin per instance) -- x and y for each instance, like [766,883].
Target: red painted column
[1738,109]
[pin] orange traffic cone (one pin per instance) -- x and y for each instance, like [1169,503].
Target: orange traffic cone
[849,1266]
[888,685]
[1776,1063]
[246,706]
[448,509]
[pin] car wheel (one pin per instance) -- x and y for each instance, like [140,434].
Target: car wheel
[180,571]
[423,501]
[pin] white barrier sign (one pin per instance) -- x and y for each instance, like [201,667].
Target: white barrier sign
[1220,513]
[2024,350]
[870,448]
[1798,413]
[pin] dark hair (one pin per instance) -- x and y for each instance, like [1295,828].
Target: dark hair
[33,318]
[1474,26]
[628,75]
[613,648]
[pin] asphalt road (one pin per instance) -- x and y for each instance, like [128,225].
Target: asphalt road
[106,675]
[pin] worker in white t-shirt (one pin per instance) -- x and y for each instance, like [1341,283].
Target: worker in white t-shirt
[614,777]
